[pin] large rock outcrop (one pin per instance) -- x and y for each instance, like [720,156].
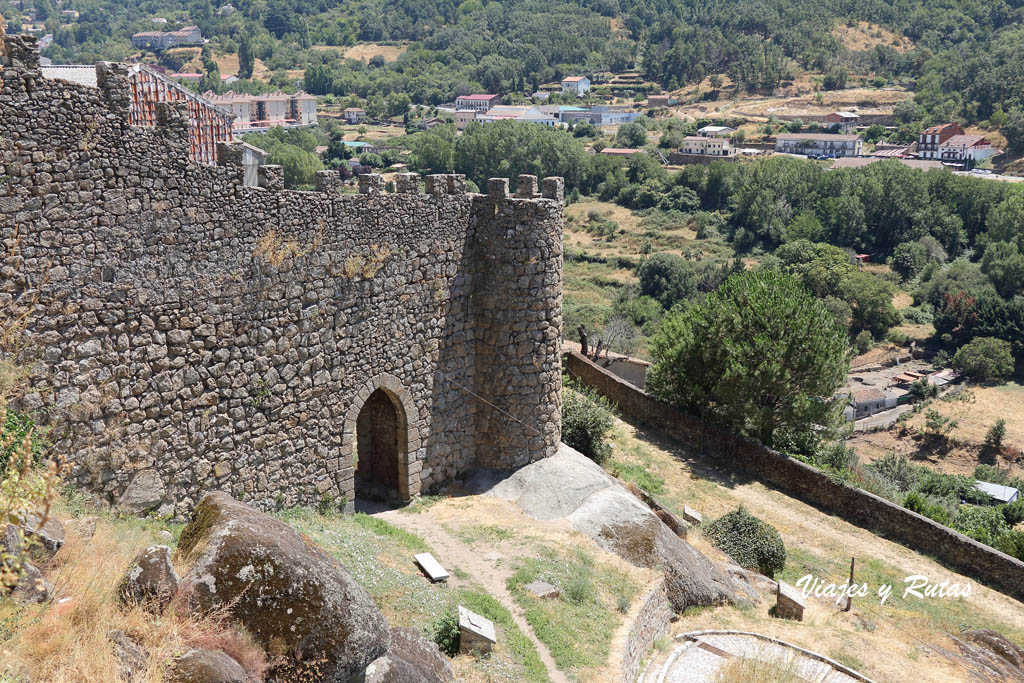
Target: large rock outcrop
[571,486]
[296,600]
[411,659]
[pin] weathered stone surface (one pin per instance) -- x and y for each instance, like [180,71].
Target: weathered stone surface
[222,336]
[411,659]
[32,586]
[789,602]
[750,584]
[570,485]
[290,595]
[150,580]
[132,658]
[45,537]
[542,589]
[206,666]
[476,632]
[144,493]
[85,527]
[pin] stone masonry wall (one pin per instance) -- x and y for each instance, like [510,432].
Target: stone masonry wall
[187,333]
[651,622]
[964,554]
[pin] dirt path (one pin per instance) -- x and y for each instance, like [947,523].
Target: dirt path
[483,568]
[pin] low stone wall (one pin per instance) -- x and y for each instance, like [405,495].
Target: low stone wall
[811,485]
[651,623]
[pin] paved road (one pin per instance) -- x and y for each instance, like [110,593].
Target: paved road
[882,419]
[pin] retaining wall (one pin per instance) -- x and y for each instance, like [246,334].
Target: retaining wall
[976,560]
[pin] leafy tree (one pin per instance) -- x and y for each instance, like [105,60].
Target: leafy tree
[985,359]
[246,58]
[759,355]
[299,166]
[434,150]
[1004,264]
[870,298]
[908,259]
[835,79]
[995,435]
[632,135]
[1013,130]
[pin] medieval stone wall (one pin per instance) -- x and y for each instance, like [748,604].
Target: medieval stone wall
[187,333]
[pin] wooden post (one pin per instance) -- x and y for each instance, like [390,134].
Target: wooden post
[849,598]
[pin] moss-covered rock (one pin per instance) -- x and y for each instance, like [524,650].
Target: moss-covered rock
[298,602]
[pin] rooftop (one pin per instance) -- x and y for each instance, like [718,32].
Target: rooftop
[964,141]
[817,136]
[1004,494]
[481,98]
[860,162]
[935,130]
[865,395]
[573,79]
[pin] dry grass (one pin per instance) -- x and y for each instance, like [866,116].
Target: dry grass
[978,408]
[65,639]
[366,51]
[758,670]
[887,639]
[276,251]
[865,36]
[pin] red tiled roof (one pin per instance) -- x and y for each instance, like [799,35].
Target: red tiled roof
[964,141]
[477,97]
[572,79]
[935,130]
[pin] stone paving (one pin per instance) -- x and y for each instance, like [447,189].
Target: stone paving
[697,657]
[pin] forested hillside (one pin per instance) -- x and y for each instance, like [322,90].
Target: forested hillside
[966,59]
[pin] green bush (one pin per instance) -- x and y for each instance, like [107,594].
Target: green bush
[896,468]
[916,502]
[994,437]
[982,523]
[1012,543]
[445,632]
[863,341]
[750,542]
[579,589]
[586,419]
[985,359]
[1013,513]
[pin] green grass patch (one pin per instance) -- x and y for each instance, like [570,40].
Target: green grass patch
[483,533]
[638,474]
[578,627]
[516,641]
[421,504]
[382,528]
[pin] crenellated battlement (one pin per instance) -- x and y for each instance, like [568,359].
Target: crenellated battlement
[190,332]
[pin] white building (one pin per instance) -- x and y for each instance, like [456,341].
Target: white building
[353,115]
[707,146]
[477,102]
[819,144]
[716,131]
[259,112]
[577,85]
[463,117]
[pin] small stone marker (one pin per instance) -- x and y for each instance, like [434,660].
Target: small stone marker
[476,633]
[542,589]
[789,603]
[692,516]
[433,569]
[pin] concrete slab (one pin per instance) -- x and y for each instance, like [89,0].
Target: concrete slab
[542,589]
[431,567]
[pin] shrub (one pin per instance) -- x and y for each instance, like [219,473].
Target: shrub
[995,435]
[896,469]
[897,337]
[1012,543]
[1013,513]
[837,457]
[863,341]
[445,632]
[921,389]
[750,542]
[920,504]
[982,523]
[579,589]
[586,419]
[985,359]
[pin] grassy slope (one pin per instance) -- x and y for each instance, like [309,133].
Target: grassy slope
[891,642]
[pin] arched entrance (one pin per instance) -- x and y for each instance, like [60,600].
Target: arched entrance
[381,445]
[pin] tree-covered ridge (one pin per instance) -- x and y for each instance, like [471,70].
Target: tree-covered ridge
[967,59]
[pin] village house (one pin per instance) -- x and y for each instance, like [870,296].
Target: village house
[819,144]
[716,131]
[1000,494]
[660,101]
[576,85]
[480,103]
[708,146]
[842,121]
[867,402]
[606,115]
[260,112]
[525,114]
[353,115]
[930,138]
[965,149]
[620,151]
[162,40]
[463,117]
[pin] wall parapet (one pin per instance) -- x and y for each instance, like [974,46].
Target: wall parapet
[809,484]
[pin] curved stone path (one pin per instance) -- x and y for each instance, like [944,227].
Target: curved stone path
[696,658]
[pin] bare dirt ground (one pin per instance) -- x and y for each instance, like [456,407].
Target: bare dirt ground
[864,36]
[975,410]
[366,51]
[890,642]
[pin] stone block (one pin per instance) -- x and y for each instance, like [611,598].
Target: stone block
[407,183]
[456,183]
[497,188]
[476,633]
[371,183]
[328,182]
[431,567]
[543,590]
[692,516]
[270,177]
[436,184]
[789,602]
[526,186]
[553,188]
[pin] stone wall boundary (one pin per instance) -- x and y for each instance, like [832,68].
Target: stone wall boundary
[809,484]
[650,623]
